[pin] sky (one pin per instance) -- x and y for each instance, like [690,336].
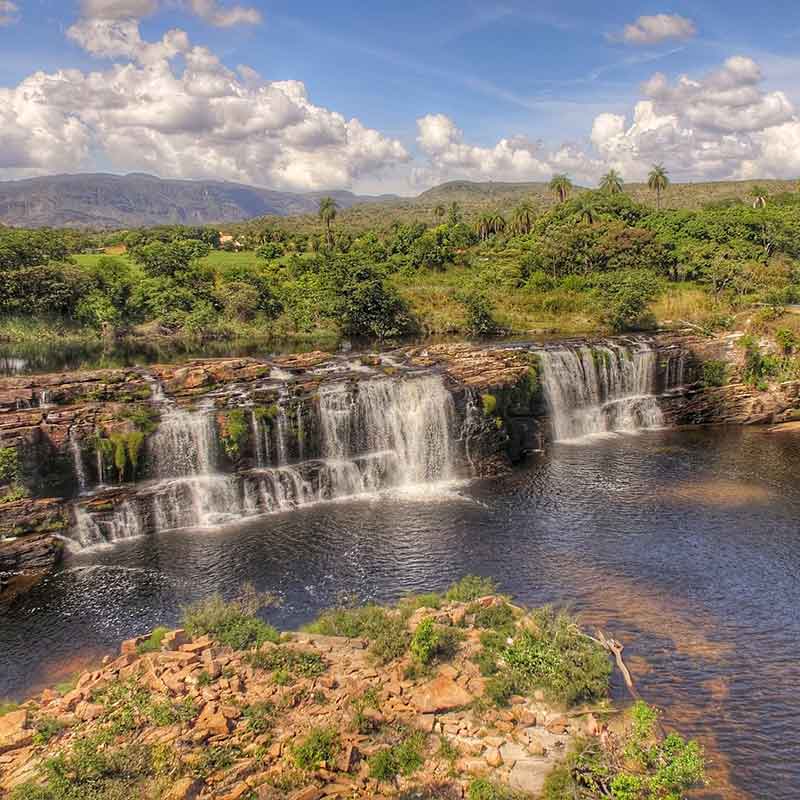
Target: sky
[383,96]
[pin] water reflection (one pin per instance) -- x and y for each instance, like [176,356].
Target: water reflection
[651,537]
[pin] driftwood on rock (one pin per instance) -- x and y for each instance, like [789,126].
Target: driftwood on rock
[615,648]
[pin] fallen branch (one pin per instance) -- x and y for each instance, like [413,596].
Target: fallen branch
[615,648]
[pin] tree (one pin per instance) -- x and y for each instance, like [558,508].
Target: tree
[657,181]
[561,186]
[439,212]
[759,195]
[454,213]
[612,183]
[498,222]
[484,226]
[522,218]
[327,214]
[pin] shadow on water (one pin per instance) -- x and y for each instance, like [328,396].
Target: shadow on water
[682,544]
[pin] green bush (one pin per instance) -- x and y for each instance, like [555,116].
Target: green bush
[715,373]
[469,588]
[432,642]
[259,717]
[636,766]
[404,758]
[498,617]
[321,745]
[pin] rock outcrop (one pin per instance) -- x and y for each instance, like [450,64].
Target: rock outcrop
[222,724]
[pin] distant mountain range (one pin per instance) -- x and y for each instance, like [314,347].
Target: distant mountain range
[128,201]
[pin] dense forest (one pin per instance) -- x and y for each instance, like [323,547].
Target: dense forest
[590,261]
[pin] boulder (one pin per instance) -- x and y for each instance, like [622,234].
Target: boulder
[185,789]
[440,694]
[14,732]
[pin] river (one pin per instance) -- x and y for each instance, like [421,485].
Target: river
[681,543]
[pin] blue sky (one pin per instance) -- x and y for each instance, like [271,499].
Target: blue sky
[438,87]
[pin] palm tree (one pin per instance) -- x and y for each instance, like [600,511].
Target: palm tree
[588,211]
[327,213]
[498,222]
[484,226]
[612,183]
[439,213]
[657,181]
[759,195]
[522,218]
[561,186]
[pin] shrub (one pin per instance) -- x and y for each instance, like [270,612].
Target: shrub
[482,789]
[414,601]
[321,745]
[46,728]
[715,373]
[555,656]
[229,622]
[470,588]
[433,642]
[480,320]
[214,759]
[361,722]
[404,758]
[637,766]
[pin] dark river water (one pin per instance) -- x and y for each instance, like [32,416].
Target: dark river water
[685,545]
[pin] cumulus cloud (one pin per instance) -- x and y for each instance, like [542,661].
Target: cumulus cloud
[721,125]
[515,158]
[215,14]
[657,28]
[9,13]
[189,117]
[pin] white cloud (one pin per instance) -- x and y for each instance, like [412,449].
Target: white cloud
[118,9]
[718,126]
[9,13]
[514,159]
[211,11]
[215,14]
[657,28]
[189,118]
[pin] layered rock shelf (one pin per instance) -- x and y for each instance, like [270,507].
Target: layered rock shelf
[94,456]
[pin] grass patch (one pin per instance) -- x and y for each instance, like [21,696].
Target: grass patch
[7,706]
[496,617]
[260,717]
[215,759]
[129,707]
[385,630]
[470,588]
[413,602]
[91,770]
[46,728]
[320,746]
[287,664]
[403,758]
[153,642]
[482,789]
[550,654]
[362,723]
[232,623]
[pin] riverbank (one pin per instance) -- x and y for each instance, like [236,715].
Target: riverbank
[453,695]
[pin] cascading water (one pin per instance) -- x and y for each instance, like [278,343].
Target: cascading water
[600,389]
[375,435]
[363,437]
[77,462]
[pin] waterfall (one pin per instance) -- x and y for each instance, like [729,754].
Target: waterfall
[184,444]
[600,389]
[77,462]
[364,437]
